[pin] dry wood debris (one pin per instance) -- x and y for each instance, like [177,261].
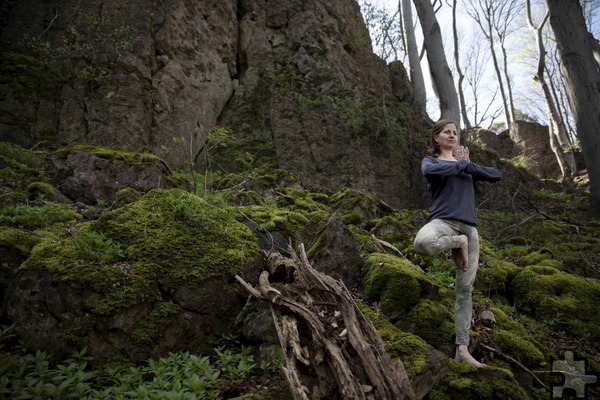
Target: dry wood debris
[331,350]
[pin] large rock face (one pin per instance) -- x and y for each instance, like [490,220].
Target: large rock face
[300,75]
[532,142]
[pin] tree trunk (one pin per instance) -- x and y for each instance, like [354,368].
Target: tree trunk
[416,73]
[558,141]
[441,74]
[461,76]
[582,79]
[331,350]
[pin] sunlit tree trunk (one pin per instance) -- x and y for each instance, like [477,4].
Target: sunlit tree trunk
[581,74]
[558,136]
[441,74]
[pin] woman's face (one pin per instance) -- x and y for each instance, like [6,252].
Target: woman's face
[448,137]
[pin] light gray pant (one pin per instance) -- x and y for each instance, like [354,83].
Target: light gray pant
[440,235]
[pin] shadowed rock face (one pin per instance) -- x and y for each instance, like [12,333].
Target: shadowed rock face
[299,76]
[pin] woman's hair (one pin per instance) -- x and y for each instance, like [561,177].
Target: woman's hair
[434,147]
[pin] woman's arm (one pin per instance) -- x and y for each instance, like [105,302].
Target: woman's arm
[479,172]
[431,166]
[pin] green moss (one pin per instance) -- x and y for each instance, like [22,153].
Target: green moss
[518,346]
[272,219]
[431,321]
[314,233]
[396,283]
[168,235]
[367,244]
[397,228]
[355,203]
[301,200]
[112,153]
[182,233]
[403,346]
[33,217]
[42,188]
[146,330]
[566,301]
[536,257]
[125,196]
[463,381]
[494,280]
[17,241]
[24,157]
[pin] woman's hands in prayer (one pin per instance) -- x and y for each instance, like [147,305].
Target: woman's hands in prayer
[462,153]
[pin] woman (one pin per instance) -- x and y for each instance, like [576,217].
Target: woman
[452,222]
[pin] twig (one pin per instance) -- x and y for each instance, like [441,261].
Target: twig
[509,358]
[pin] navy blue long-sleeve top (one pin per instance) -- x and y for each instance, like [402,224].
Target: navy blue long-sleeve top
[451,186]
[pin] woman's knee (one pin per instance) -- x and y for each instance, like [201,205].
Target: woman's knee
[424,247]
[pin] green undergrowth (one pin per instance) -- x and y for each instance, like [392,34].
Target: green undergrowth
[182,375]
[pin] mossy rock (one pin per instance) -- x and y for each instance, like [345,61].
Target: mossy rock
[15,247]
[466,382]
[124,197]
[566,301]
[431,321]
[149,277]
[45,191]
[537,256]
[359,207]
[519,346]
[547,233]
[495,278]
[396,283]
[396,228]
[112,153]
[268,219]
[301,200]
[400,345]
[176,229]
[16,243]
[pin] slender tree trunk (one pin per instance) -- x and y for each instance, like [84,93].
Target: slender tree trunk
[558,142]
[501,86]
[581,74]
[461,76]
[507,80]
[438,65]
[416,73]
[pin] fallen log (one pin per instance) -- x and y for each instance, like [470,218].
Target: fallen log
[331,350]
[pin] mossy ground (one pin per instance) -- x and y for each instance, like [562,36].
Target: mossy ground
[537,272]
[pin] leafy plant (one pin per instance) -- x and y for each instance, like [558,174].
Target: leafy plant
[33,217]
[177,376]
[96,247]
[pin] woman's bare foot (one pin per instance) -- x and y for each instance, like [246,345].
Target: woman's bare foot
[461,255]
[462,354]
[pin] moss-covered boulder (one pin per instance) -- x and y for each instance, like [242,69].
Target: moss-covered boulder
[432,321]
[152,276]
[567,302]
[357,208]
[89,173]
[466,382]
[399,228]
[495,278]
[396,284]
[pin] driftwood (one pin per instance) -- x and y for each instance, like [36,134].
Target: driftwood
[331,350]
